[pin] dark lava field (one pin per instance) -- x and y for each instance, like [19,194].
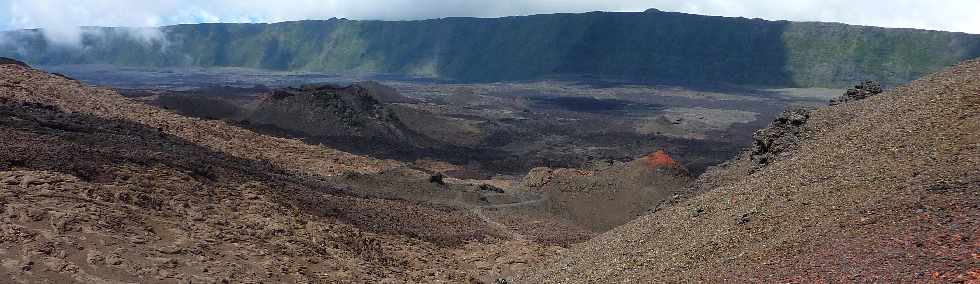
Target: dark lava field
[476,130]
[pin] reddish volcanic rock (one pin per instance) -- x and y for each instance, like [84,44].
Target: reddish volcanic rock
[660,159]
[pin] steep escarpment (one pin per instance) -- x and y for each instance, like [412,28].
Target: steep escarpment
[880,189]
[649,47]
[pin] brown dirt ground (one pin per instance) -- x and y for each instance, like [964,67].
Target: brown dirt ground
[95,188]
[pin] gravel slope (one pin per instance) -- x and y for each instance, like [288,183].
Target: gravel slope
[881,190]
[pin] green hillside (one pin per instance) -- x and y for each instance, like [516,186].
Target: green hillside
[644,47]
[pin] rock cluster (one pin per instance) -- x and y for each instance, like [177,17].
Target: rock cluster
[859,92]
[783,134]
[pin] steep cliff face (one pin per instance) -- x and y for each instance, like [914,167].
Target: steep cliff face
[651,47]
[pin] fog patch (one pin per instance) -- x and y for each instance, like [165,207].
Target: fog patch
[71,24]
[82,38]
[12,43]
[147,37]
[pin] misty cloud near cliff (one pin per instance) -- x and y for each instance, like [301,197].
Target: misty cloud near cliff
[61,19]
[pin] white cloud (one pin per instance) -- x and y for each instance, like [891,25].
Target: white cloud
[949,15]
[61,17]
[63,21]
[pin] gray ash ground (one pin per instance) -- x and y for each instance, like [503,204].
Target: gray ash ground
[592,105]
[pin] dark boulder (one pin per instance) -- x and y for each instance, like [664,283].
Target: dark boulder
[491,188]
[437,179]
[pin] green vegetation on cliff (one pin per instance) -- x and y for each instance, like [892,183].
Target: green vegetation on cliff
[646,47]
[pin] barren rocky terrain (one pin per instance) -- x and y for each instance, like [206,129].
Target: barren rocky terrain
[566,183]
[884,189]
[100,189]
[503,142]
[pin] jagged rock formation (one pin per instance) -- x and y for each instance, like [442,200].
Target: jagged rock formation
[884,189]
[859,92]
[786,132]
[783,134]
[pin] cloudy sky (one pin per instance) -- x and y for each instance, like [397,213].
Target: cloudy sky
[64,15]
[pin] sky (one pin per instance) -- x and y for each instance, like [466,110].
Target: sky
[60,18]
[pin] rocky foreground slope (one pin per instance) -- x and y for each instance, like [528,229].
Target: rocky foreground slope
[885,189]
[95,188]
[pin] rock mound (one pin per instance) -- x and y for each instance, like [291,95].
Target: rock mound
[355,118]
[660,159]
[859,92]
[782,135]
